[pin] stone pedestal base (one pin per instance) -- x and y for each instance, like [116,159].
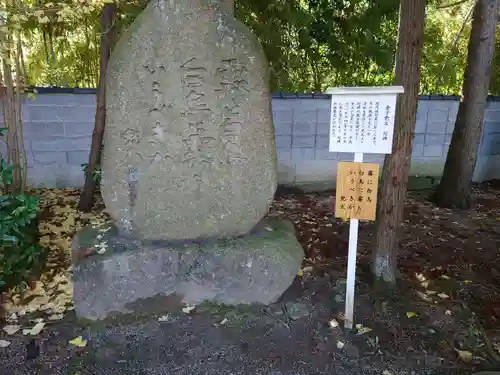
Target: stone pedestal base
[123,275]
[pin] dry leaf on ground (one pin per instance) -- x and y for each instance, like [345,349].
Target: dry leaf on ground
[79,341]
[424,296]
[362,329]
[464,355]
[187,309]
[37,329]
[11,329]
[164,318]
[4,343]
[333,323]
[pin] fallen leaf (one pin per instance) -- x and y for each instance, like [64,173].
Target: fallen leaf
[224,321]
[56,317]
[340,344]
[164,318]
[333,323]
[464,355]
[11,329]
[468,281]
[362,329]
[188,309]
[387,372]
[420,277]
[430,292]
[425,284]
[443,295]
[424,296]
[4,343]
[13,317]
[37,329]
[448,312]
[445,277]
[300,273]
[411,314]
[79,341]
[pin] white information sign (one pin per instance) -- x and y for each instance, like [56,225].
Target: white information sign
[361,122]
[362,119]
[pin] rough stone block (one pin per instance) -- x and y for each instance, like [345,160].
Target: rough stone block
[137,276]
[301,116]
[433,150]
[283,141]
[305,128]
[50,157]
[422,111]
[438,115]
[450,126]
[286,172]
[492,113]
[43,130]
[78,157]
[303,141]
[434,139]
[322,141]
[63,113]
[283,128]
[325,154]
[417,149]
[323,128]
[420,126]
[283,115]
[75,144]
[299,154]
[78,129]
[323,116]
[436,127]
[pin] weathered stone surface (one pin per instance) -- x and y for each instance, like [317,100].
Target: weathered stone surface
[189,140]
[142,276]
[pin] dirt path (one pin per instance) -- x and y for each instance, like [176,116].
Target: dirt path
[291,337]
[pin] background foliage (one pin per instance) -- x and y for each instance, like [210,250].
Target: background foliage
[310,44]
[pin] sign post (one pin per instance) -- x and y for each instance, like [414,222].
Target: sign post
[361,122]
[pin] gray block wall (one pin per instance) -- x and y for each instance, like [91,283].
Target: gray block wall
[58,129]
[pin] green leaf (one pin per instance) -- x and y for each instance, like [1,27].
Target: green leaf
[8,238]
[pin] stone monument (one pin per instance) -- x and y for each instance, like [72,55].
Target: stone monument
[189,169]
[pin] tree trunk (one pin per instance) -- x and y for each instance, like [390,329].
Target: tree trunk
[455,188]
[397,164]
[11,114]
[108,30]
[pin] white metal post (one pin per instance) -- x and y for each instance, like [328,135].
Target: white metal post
[351,263]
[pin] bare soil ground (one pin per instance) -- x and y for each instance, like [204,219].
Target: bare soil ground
[443,317]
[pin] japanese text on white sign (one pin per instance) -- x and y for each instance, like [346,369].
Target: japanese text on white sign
[362,120]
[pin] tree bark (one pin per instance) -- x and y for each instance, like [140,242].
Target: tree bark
[397,164]
[454,190]
[108,37]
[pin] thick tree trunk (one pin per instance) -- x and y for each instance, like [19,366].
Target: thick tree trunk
[108,34]
[397,164]
[455,188]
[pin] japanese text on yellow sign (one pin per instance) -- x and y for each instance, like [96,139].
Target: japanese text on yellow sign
[357,187]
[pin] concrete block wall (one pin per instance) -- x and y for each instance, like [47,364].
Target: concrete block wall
[58,126]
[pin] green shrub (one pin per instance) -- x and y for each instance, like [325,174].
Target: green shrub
[96,174]
[20,253]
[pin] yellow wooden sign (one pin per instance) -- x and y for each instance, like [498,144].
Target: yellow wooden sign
[357,188]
